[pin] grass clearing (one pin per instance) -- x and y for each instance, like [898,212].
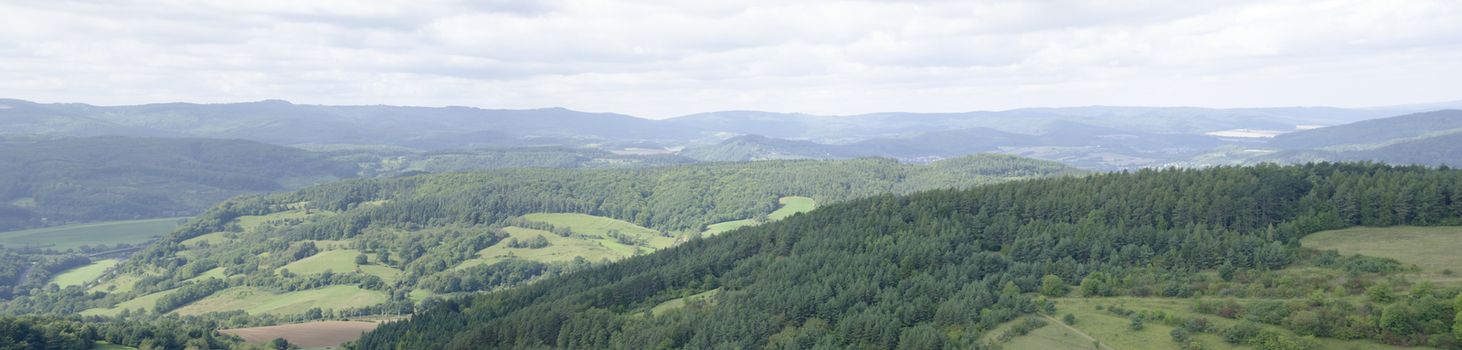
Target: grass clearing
[83,275]
[212,239]
[718,228]
[145,302]
[341,261]
[559,249]
[1114,330]
[215,273]
[117,284]
[672,304]
[1433,249]
[74,236]
[792,205]
[600,226]
[252,223]
[258,301]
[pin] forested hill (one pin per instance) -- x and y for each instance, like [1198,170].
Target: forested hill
[941,268]
[51,182]
[393,241]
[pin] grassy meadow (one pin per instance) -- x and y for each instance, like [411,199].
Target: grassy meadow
[1435,250]
[83,275]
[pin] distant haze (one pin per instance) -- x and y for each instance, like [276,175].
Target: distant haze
[674,58]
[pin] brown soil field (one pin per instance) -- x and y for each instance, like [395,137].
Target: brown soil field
[306,335]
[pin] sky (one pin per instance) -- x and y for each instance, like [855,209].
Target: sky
[661,59]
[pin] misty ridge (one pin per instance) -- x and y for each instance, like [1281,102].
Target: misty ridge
[1091,137]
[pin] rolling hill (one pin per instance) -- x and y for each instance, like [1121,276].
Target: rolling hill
[1374,132]
[940,269]
[52,182]
[395,241]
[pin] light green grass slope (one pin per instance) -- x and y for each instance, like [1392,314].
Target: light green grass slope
[83,275]
[1434,249]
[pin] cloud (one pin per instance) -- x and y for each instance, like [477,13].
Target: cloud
[661,59]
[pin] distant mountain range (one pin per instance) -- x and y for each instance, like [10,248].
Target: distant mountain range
[1098,137]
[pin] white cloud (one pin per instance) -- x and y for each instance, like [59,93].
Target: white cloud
[661,59]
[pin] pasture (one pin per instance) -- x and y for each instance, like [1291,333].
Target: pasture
[672,304]
[600,226]
[74,236]
[792,205]
[341,261]
[259,301]
[145,302]
[718,228]
[83,275]
[1433,249]
[559,249]
[1114,333]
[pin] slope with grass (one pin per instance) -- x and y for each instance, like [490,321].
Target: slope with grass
[340,261]
[790,205]
[259,301]
[83,275]
[1435,250]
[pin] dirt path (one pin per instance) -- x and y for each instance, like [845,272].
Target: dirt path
[1078,332]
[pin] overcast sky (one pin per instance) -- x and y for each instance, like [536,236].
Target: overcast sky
[662,59]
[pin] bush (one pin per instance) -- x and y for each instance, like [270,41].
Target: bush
[1179,335]
[1136,324]
[1069,319]
[1241,333]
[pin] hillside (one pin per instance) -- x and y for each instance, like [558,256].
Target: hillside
[1373,132]
[377,246]
[51,182]
[1082,145]
[285,123]
[940,269]
[1442,149]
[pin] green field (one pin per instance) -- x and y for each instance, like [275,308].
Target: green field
[1114,333]
[792,205]
[73,236]
[1433,249]
[259,301]
[116,284]
[251,223]
[599,225]
[216,272]
[341,261]
[716,229]
[559,249]
[145,302]
[83,275]
[215,238]
[672,304]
